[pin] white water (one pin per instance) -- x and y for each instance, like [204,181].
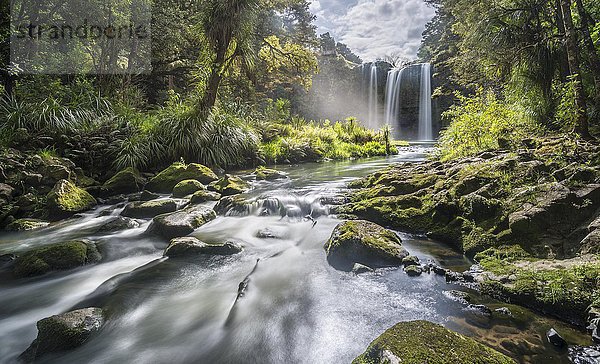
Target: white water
[373,97]
[425,122]
[392,98]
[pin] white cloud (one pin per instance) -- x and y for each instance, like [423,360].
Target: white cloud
[375,28]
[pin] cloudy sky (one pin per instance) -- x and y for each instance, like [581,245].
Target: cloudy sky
[374,28]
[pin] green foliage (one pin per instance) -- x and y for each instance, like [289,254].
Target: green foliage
[567,111]
[480,123]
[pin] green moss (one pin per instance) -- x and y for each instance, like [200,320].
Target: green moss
[359,241]
[268,174]
[66,198]
[419,342]
[60,256]
[204,196]
[165,181]
[230,185]
[187,187]
[26,225]
[126,181]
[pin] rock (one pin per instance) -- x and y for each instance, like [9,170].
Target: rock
[205,196]
[359,269]
[56,172]
[61,256]
[584,354]
[28,203]
[119,223]
[503,311]
[187,187]
[149,196]
[26,225]
[189,246]
[418,342]
[6,192]
[126,181]
[64,332]
[482,309]
[7,260]
[32,179]
[410,260]
[268,233]
[232,205]
[229,185]
[437,269]
[555,339]
[267,174]
[363,242]
[459,296]
[165,181]
[413,270]
[149,209]
[182,223]
[66,199]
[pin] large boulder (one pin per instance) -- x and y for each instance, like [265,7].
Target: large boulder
[126,181]
[66,199]
[418,342]
[61,256]
[364,242]
[182,223]
[64,332]
[149,209]
[187,187]
[190,246]
[230,185]
[165,181]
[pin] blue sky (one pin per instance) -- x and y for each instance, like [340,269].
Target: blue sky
[374,28]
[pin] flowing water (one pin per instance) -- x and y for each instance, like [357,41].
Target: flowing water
[297,309]
[425,117]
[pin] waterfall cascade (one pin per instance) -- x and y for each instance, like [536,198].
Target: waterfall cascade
[408,96]
[373,99]
[425,119]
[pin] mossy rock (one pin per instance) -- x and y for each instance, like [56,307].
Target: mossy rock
[182,223]
[187,187]
[26,225]
[149,209]
[64,332]
[165,181]
[126,181]
[418,342]
[366,243]
[230,185]
[61,256]
[268,174]
[66,199]
[205,196]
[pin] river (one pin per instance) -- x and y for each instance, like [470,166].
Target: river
[297,309]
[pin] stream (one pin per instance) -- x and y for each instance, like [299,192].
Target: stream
[297,309]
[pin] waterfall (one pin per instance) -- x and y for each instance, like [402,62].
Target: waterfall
[425,127]
[392,96]
[373,100]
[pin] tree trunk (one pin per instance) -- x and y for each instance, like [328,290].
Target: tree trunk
[594,60]
[214,80]
[581,124]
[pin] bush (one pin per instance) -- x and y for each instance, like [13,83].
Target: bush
[481,123]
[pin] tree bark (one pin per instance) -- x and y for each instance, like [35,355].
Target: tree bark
[216,75]
[594,60]
[581,124]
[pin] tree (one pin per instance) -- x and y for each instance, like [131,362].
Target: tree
[581,124]
[228,28]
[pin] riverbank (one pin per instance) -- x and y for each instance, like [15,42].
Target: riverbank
[528,217]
